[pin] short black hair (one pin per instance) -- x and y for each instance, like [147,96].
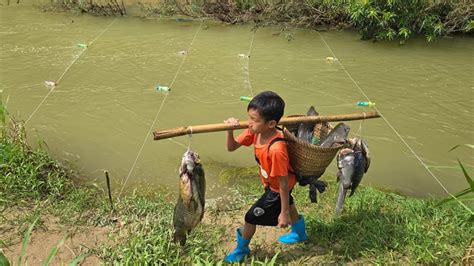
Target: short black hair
[269,105]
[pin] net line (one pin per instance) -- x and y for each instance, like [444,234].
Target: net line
[66,70]
[159,110]
[394,130]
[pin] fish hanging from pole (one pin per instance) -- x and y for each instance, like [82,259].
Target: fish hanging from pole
[189,208]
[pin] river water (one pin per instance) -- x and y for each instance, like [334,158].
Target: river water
[101,114]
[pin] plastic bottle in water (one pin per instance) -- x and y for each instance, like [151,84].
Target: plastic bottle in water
[365,104]
[162,88]
[82,45]
[245,98]
[50,83]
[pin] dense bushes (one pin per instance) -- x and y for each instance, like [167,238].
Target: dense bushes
[374,19]
[93,7]
[401,19]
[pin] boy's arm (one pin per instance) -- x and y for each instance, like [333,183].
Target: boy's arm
[232,144]
[284,217]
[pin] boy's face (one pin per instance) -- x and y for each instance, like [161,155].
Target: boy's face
[257,124]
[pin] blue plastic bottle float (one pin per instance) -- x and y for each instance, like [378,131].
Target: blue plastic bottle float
[365,104]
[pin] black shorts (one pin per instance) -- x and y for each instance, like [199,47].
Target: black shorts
[267,209]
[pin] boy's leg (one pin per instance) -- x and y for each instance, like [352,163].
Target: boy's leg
[244,236]
[298,230]
[249,231]
[293,214]
[264,212]
[242,250]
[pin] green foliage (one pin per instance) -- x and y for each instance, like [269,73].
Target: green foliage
[31,175]
[3,260]
[24,243]
[93,7]
[3,124]
[402,19]
[78,259]
[383,228]
[163,8]
[150,240]
[374,19]
[54,252]
[42,177]
[466,194]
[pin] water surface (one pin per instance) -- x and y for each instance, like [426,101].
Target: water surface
[101,114]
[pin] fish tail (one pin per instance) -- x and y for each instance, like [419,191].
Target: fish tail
[180,237]
[340,198]
[352,193]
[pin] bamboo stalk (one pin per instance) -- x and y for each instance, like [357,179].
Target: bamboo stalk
[180,131]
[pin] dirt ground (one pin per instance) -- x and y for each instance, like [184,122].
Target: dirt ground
[265,243]
[48,235]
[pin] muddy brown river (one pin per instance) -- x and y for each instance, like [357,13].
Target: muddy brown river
[105,106]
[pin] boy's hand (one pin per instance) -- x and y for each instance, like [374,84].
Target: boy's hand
[284,220]
[232,121]
[232,144]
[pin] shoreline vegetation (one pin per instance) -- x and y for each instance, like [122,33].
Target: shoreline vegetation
[377,20]
[50,214]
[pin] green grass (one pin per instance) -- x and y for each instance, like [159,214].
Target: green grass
[375,227]
[383,227]
[148,239]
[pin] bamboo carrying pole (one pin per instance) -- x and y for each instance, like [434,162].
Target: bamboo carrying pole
[180,131]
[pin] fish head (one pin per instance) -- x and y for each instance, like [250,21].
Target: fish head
[360,145]
[346,165]
[189,161]
[338,136]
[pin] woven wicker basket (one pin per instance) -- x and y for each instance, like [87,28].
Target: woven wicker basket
[309,159]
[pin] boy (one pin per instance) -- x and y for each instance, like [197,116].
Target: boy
[275,207]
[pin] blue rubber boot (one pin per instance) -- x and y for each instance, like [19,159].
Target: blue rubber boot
[240,252]
[297,234]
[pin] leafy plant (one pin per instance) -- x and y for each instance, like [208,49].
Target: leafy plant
[381,19]
[78,259]
[3,260]
[466,194]
[26,238]
[3,115]
[54,251]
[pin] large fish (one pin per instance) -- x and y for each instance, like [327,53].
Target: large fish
[352,162]
[305,130]
[337,136]
[189,208]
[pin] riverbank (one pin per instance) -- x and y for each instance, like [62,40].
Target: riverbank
[374,20]
[49,213]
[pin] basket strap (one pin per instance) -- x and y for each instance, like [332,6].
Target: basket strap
[269,145]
